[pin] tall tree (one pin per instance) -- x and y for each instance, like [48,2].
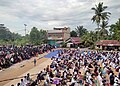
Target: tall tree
[100,14]
[88,39]
[43,36]
[115,30]
[37,37]
[34,36]
[80,30]
[103,30]
[73,33]
[5,34]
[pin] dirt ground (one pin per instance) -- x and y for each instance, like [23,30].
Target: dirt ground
[18,69]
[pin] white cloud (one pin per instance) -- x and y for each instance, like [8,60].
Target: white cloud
[51,13]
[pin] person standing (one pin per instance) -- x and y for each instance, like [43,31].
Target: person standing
[111,79]
[34,61]
[22,83]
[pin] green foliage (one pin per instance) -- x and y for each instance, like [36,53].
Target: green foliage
[73,33]
[103,33]
[115,30]
[104,24]
[15,36]
[37,37]
[100,14]
[21,41]
[88,39]
[43,36]
[34,36]
[7,37]
[80,30]
[5,34]
[64,44]
[101,18]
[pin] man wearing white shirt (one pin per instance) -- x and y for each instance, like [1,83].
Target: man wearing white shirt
[73,81]
[22,83]
[100,79]
[25,80]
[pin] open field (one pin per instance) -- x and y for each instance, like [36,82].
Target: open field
[21,69]
[27,66]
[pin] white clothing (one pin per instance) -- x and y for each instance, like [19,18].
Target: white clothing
[22,84]
[100,80]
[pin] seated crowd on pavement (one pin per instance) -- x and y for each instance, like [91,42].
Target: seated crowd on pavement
[12,54]
[73,67]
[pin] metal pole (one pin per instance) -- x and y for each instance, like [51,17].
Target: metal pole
[25,29]
[25,33]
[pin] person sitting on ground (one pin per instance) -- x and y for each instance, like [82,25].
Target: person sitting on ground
[22,83]
[18,84]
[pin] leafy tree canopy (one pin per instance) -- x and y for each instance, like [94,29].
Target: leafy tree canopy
[73,33]
[115,30]
[80,30]
[37,37]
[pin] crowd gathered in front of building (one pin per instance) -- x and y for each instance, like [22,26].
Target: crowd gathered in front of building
[10,55]
[73,67]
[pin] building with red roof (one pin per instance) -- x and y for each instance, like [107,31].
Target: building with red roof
[73,42]
[108,45]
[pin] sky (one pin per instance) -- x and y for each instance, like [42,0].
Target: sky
[47,14]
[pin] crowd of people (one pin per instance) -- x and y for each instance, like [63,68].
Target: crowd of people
[12,54]
[80,68]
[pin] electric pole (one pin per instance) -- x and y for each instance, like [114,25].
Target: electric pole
[25,29]
[25,32]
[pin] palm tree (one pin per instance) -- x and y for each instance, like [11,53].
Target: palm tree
[80,30]
[103,31]
[100,15]
[88,39]
[115,30]
[104,24]
[73,33]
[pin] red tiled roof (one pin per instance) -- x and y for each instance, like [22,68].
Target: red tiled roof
[108,43]
[75,40]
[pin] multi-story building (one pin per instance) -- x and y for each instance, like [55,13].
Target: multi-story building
[58,35]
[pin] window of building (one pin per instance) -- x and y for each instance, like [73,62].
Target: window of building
[49,35]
